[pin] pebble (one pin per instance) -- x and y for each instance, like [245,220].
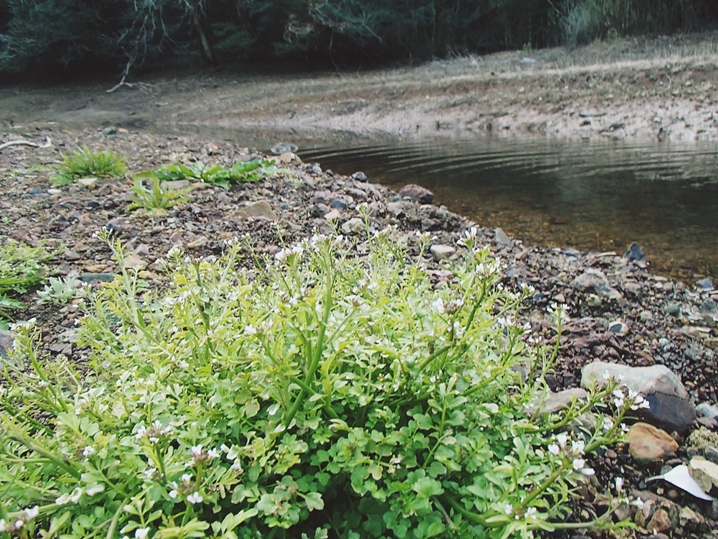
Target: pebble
[260,209]
[359,177]
[7,340]
[501,237]
[442,251]
[416,193]
[704,472]
[354,226]
[648,444]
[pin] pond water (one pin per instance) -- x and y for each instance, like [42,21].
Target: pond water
[593,196]
[587,195]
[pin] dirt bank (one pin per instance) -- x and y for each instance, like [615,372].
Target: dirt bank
[639,89]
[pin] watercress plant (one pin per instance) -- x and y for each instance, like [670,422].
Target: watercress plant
[333,390]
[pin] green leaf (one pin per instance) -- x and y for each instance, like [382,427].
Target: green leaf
[314,501]
[427,487]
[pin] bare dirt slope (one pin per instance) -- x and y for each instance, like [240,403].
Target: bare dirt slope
[658,88]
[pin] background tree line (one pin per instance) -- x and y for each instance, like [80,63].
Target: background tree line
[121,35]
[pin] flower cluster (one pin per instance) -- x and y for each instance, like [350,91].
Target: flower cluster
[185,489]
[574,452]
[19,521]
[153,433]
[633,400]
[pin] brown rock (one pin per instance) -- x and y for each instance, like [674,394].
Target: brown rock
[417,193]
[660,522]
[649,444]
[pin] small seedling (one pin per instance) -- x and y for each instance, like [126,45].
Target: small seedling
[241,172]
[85,162]
[59,291]
[156,197]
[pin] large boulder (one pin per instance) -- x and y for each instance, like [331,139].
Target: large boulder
[669,409]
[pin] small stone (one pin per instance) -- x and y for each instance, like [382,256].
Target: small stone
[111,130]
[198,242]
[687,516]
[647,444]
[594,301]
[288,157]
[353,226]
[338,204]
[711,453]
[618,327]
[54,191]
[704,472]
[550,402]
[442,251]
[7,341]
[398,208]
[176,237]
[142,249]
[417,193]
[634,252]
[660,522]
[102,277]
[134,260]
[333,215]
[359,177]
[71,255]
[705,409]
[284,147]
[595,281]
[176,185]
[90,183]
[674,309]
[560,298]
[502,238]
[705,284]
[260,209]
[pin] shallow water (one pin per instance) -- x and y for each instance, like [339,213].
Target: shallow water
[591,196]
[594,196]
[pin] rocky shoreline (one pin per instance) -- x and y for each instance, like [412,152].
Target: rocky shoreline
[620,314]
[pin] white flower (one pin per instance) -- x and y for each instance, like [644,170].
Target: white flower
[3,525]
[19,524]
[607,423]
[237,466]
[196,450]
[173,494]
[508,509]
[578,464]
[578,446]
[619,483]
[31,513]
[562,439]
[531,512]
[213,453]
[89,450]
[250,330]
[554,449]
[194,498]
[186,478]
[438,304]
[231,452]
[141,533]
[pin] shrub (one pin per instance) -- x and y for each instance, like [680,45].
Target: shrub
[85,162]
[320,392]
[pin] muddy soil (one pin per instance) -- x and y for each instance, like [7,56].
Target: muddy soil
[661,88]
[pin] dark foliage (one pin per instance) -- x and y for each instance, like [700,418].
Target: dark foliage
[122,34]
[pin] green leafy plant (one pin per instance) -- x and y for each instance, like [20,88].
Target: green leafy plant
[59,290]
[156,197]
[21,267]
[317,393]
[240,172]
[85,162]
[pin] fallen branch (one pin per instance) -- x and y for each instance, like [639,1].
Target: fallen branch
[47,144]
[120,84]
